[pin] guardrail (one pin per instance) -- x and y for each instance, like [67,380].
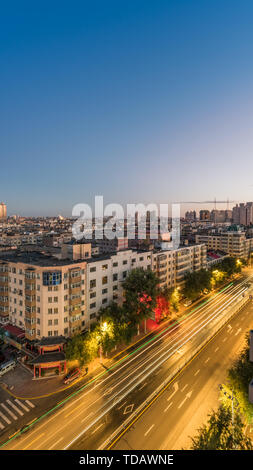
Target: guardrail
[218,323]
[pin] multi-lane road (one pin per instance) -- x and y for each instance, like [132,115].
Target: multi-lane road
[87,419]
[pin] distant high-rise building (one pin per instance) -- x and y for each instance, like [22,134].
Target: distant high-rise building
[190,216]
[243,213]
[3,211]
[204,215]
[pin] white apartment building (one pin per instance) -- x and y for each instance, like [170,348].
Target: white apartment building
[42,295]
[234,243]
[46,296]
[171,266]
[106,274]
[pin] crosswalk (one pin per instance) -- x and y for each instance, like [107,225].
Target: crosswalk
[13,409]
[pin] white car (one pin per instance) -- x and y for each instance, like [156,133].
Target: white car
[188,303]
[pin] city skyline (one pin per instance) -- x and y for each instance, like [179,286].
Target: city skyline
[125,100]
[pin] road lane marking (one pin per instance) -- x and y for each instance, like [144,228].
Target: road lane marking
[146,433]
[208,359]
[224,339]
[30,403]
[30,443]
[184,387]
[176,388]
[57,442]
[238,331]
[15,408]
[9,411]
[188,395]
[2,426]
[86,417]
[143,386]
[22,405]
[4,417]
[216,349]
[121,406]
[170,404]
[196,373]
[98,427]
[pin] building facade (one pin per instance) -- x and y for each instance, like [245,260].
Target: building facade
[233,243]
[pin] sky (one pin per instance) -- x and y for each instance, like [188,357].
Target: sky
[136,100]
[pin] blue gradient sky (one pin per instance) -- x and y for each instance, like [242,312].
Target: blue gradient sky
[137,100]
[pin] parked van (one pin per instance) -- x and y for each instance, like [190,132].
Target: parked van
[7,366]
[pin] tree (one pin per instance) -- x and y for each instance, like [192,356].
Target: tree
[173,296]
[239,377]
[220,434]
[119,326]
[140,291]
[196,282]
[162,308]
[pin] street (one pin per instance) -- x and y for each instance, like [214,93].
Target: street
[87,419]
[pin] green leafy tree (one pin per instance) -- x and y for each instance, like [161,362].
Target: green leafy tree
[239,377]
[140,291]
[221,434]
[196,282]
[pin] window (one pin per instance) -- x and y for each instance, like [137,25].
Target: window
[93,269]
[49,333]
[104,267]
[115,265]
[38,332]
[125,261]
[55,299]
[104,280]
[55,321]
[104,291]
[49,300]
[115,287]
[124,274]
[92,283]
[66,319]
[104,301]
[92,295]
[50,322]
[93,305]
[55,310]
[115,277]
[50,310]
[93,315]
[52,278]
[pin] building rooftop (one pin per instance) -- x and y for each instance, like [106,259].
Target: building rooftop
[36,258]
[48,357]
[51,341]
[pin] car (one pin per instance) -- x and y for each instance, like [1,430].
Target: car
[72,375]
[188,303]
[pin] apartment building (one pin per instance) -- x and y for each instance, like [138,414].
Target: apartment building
[42,295]
[171,266]
[3,212]
[243,214]
[108,246]
[234,243]
[106,274]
